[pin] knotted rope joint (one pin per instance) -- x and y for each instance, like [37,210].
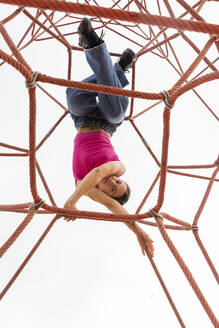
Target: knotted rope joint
[33,82]
[166,97]
[214,36]
[69,49]
[132,222]
[155,214]
[37,205]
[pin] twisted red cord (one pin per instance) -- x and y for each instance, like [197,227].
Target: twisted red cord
[17,232]
[187,273]
[114,14]
[21,267]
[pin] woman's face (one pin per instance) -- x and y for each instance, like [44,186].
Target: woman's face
[113,186]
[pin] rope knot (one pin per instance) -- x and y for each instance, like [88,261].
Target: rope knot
[155,214]
[69,49]
[166,97]
[132,222]
[37,205]
[214,36]
[33,82]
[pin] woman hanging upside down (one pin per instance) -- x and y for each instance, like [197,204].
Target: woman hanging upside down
[96,167]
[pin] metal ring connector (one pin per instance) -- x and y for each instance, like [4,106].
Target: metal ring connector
[132,222]
[166,99]
[215,36]
[70,49]
[195,228]
[33,82]
[155,214]
[37,205]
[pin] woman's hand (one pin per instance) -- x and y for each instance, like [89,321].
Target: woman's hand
[69,205]
[95,176]
[148,242]
[107,178]
[145,242]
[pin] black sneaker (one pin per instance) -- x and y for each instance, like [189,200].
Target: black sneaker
[127,59]
[88,38]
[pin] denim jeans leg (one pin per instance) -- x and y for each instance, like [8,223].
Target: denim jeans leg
[112,107]
[82,102]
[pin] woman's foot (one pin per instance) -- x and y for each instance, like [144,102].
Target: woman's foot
[127,59]
[88,38]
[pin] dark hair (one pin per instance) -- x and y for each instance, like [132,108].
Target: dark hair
[125,197]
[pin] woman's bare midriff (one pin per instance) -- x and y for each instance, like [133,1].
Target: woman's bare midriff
[90,129]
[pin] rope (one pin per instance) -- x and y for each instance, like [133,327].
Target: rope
[166,99]
[115,14]
[32,210]
[32,84]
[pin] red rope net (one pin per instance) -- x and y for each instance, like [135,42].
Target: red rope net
[151,33]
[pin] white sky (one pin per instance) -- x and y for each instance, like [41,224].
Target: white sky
[92,273]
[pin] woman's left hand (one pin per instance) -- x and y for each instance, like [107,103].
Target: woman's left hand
[70,206]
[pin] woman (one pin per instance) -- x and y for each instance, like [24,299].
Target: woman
[96,167]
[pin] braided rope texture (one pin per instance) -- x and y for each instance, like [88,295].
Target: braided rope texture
[150,33]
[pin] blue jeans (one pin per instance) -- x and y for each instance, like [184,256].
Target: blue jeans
[109,111]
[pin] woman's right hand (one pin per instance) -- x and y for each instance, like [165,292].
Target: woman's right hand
[107,178]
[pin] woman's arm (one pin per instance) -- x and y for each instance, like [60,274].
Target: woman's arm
[146,243]
[94,177]
[115,207]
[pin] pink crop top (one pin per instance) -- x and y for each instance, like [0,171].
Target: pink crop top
[91,149]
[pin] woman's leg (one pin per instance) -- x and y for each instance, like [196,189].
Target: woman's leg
[83,102]
[112,107]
